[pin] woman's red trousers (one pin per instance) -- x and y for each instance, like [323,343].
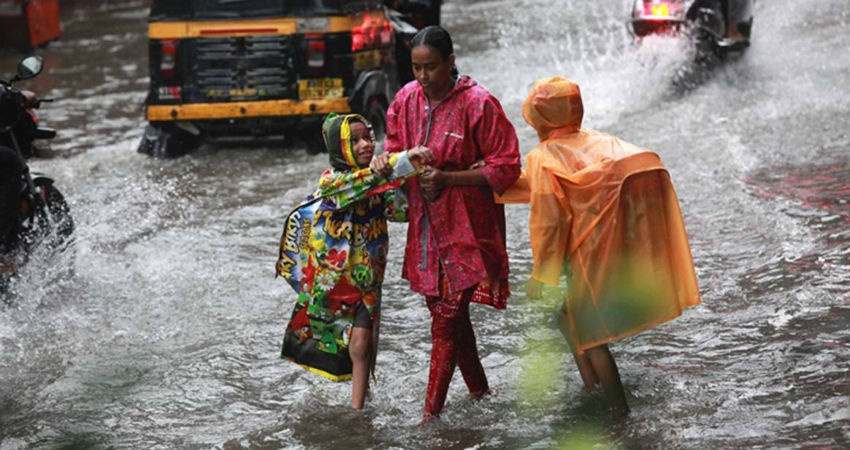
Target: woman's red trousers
[453,343]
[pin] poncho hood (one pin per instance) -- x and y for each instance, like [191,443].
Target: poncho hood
[336,132]
[553,107]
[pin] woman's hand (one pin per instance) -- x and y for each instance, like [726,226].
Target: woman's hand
[381,165]
[433,181]
[420,154]
[533,289]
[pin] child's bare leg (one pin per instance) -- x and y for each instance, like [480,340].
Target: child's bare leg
[605,367]
[585,368]
[360,348]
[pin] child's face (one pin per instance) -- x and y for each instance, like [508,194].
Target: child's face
[364,147]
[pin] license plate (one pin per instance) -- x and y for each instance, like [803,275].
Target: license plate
[320,88]
[367,60]
[243,92]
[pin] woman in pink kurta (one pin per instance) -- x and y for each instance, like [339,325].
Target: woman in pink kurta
[456,237]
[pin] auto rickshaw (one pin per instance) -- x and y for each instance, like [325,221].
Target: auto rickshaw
[224,68]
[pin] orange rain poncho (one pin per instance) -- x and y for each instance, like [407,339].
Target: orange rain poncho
[609,209]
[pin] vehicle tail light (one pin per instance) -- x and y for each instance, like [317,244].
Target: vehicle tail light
[168,61]
[315,54]
[659,9]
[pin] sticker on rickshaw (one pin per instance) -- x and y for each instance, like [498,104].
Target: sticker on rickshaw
[319,88]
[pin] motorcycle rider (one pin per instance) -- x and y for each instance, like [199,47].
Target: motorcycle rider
[11,169]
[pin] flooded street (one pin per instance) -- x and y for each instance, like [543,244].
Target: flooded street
[161,327]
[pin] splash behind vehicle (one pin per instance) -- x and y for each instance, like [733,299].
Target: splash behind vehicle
[222,68]
[44,218]
[706,19]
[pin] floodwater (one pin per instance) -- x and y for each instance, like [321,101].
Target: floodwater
[161,328]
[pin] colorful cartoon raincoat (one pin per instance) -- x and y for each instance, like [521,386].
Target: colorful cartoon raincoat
[337,240]
[608,209]
[461,233]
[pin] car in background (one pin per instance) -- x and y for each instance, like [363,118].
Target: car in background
[223,68]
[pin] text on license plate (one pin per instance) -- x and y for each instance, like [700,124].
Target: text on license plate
[319,88]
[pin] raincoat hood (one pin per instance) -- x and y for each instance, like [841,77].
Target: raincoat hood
[462,83]
[336,133]
[553,107]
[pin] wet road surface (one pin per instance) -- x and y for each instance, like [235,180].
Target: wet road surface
[167,330]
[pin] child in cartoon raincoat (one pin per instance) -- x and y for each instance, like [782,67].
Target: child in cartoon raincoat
[333,253]
[604,211]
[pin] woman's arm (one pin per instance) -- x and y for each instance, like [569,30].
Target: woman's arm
[499,146]
[520,192]
[433,180]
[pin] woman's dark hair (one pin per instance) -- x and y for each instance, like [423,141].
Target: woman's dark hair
[437,38]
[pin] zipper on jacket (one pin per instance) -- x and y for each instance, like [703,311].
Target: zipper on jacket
[423,241]
[430,110]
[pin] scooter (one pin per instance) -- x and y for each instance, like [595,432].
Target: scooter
[44,218]
[704,19]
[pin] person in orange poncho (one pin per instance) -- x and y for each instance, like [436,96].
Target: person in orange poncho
[605,211]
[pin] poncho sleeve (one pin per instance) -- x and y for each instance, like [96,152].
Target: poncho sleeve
[344,188]
[396,206]
[549,222]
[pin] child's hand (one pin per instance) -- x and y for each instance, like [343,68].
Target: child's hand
[420,154]
[381,165]
[533,289]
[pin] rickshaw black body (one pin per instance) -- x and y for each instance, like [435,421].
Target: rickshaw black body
[269,67]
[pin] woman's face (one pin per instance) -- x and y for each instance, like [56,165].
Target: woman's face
[432,72]
[363,145]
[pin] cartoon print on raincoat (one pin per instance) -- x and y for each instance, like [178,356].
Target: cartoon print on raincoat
[338,235]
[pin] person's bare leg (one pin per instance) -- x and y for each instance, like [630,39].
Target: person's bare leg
[585,368]
[733,33]
[360,351]
[605,367]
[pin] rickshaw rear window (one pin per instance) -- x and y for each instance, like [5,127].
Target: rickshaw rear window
[241,9]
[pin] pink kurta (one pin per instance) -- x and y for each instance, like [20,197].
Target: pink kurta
[462,231]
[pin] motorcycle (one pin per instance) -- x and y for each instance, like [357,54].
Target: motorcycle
[706,20]
[44,217]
